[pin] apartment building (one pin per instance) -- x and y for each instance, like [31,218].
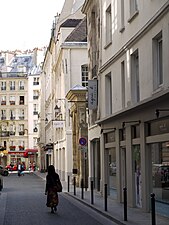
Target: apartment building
[64,67]
[133,110]
[19,99]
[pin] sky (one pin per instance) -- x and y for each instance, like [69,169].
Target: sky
[27,24]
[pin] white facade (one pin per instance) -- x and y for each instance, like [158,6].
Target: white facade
[133,84]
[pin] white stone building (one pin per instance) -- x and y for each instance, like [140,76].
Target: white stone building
[133,91]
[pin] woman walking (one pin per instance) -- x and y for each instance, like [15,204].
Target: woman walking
[53,186]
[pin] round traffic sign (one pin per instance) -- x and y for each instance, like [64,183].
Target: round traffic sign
[82,141]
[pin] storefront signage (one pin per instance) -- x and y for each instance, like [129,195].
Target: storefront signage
[92,94]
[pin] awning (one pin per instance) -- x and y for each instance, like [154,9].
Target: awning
[31,150]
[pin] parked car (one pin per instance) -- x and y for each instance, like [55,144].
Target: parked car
[11,167]
[1,183]
[3,171]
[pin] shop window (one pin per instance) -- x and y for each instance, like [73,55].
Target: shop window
[160,171]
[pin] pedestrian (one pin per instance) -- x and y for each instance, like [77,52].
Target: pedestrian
[53,186]
[19,169]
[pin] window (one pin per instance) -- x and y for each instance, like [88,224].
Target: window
[21,129]
[21,85]
[122,15]
[12,115]
[3,86]
[133,7]
[158,61]
[135,89]
[3,100]
[123,84]
[108,25]
[35,109]
[108,94]
[21,114]
[36,81]
[21,100]
[84,71]
[35,95]
[12,100]
[3,114]
[12,85]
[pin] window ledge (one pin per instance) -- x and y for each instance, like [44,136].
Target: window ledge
[133,16]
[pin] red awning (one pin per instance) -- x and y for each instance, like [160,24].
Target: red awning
[31,150]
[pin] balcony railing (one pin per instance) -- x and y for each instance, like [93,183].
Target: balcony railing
[12,118]
[3,117]
[21,102]
[3,102]
[12,148]
[11,132]
[21,117]
[12,88]
[21,87]
[21,132]
[3,88]
[4,133]
[35,97]
[12,102]
[35,83]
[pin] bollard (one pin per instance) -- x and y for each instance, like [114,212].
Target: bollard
[92,199]
[105,195]
[125,203]
[68,183]
[82,187]
[153,209]
[74,179]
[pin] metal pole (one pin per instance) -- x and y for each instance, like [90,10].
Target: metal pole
[153,209]
[74,178]
[125,203]
[82,187]
[105,195]
[68,182]
[92,199]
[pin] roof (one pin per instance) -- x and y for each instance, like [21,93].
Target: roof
[79,34]
[70,23]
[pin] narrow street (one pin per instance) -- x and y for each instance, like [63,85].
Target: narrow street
[22,202]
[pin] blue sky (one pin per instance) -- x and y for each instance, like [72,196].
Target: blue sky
[27,24]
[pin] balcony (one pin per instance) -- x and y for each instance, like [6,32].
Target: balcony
[11,132]
[3,88]
[21,102]
[12,117]
[21,87]
[21,148]
[35,83]
[35,112]
[35,97]
[21,117]
[12,148]
[21,132]
[3,102]
[3,117]
[12,102]
[4,133]
[12,88]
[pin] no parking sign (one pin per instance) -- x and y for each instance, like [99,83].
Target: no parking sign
[82,141]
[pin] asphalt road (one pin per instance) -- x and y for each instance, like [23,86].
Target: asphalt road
[23,202]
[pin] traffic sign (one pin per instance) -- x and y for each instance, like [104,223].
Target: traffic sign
[82,141]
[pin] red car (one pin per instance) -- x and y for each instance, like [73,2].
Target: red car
[12,167]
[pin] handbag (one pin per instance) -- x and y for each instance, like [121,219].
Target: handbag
[58,186]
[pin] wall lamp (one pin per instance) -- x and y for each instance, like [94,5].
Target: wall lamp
[157,112]
[132,121]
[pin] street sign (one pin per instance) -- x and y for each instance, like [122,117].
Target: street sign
[82,141]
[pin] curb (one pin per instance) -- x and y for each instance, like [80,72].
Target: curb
[107,215]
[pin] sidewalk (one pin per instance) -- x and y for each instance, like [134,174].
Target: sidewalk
[115,210]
